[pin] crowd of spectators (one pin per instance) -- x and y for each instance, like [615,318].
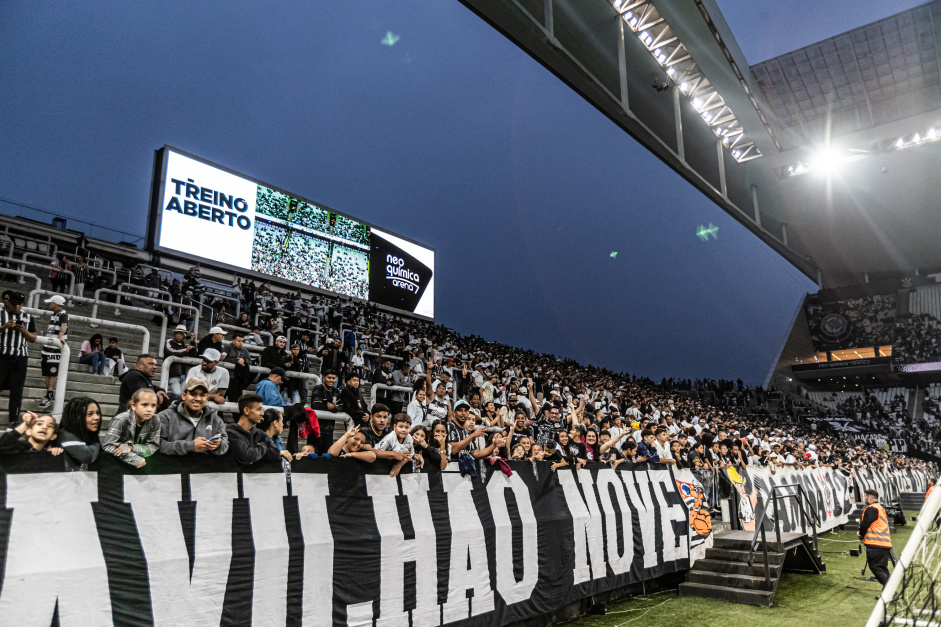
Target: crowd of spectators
[457,399]
[870,322]
[917,339]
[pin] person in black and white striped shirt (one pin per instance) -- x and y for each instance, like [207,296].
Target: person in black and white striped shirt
[17,330]
[58,328]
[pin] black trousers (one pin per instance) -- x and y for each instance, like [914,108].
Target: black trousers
[878,558]
[13,378]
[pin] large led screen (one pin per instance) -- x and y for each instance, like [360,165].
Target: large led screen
[205,211]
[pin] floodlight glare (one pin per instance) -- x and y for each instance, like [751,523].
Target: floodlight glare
[671,71]
[931,134]
[916,138]
[900,142]
[685,86]
[829,160]
[697,103]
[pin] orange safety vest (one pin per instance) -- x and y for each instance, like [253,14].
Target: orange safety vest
[928,493]
[878,532]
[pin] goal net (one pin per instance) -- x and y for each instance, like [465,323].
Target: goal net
[912,595]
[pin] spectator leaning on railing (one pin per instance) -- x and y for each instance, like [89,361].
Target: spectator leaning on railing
[189,426]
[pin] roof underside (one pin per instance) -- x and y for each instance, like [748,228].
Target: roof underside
[876,74]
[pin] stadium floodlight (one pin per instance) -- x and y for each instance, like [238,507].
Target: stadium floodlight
[667,49]
[828,160]
[900,142]
[916,138]
[931,133]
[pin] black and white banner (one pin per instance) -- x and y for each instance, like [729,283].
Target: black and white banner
[827,493]
[209,545]
[890,483]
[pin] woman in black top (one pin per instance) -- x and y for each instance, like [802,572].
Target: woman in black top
[78,432]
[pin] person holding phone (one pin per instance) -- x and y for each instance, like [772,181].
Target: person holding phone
[190,426]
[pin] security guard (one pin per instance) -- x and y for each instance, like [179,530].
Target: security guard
[874,532]
[931,484]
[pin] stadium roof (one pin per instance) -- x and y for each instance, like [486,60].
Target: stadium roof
[827,153]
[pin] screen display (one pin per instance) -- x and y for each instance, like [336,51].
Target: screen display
[208,212]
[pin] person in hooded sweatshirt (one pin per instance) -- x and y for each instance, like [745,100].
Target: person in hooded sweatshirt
[189,426]
[250,444]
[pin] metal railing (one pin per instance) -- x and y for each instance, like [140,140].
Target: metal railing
[63,373]
[145,347]
[374,391]
[157,301]
[173,359]
[214,295]
[232,327]
[144,288]
[163,325]
[805,516]
[23,274]
[316,334]
[50,269]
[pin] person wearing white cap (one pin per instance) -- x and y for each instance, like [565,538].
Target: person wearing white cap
[57,328]
[213,339]
[217,378]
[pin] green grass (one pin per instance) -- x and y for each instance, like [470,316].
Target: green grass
[833,599]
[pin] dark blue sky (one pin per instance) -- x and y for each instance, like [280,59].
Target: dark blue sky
[453,137]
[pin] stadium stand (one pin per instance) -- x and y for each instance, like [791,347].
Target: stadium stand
[473,369]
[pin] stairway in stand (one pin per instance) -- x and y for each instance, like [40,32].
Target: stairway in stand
[725,573]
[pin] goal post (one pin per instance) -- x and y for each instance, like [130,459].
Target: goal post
[916,579]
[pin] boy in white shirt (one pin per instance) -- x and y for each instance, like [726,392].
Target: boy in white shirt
[399,441]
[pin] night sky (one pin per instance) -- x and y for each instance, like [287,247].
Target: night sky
[453,137]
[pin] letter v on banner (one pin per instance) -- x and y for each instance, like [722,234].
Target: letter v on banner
[469,570]
[396,551]
[54,555]
[620,564]
[178,594]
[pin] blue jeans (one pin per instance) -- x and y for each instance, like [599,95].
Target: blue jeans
[95,360]
[176,385]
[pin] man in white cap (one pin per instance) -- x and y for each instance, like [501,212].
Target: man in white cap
[57,328]
[212,340]
[209,371]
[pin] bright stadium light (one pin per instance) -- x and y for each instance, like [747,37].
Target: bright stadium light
[828,160]
[916,138]
[900,142]
[931,134]
[669,51]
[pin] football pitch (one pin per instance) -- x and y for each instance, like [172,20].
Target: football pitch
[836,598]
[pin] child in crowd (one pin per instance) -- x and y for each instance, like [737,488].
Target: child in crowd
[114,358]
[350,445]
[40,433]
[399,441]
[78,432]
[133,435]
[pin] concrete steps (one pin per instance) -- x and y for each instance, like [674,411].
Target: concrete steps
[743,596]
